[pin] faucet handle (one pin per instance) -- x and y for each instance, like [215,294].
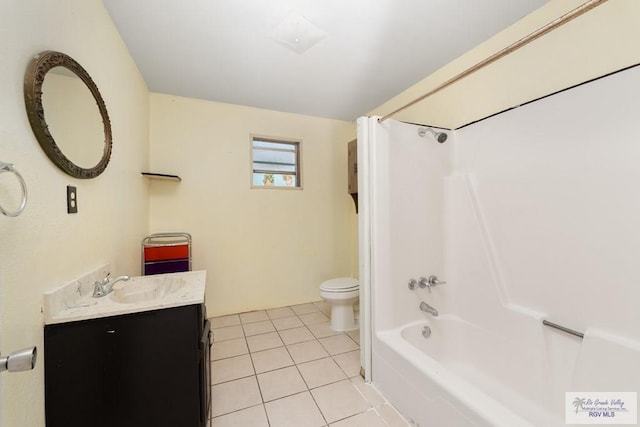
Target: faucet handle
[413,284]
[424,283]
[433,281]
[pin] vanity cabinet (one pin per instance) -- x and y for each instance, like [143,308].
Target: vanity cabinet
[141,369]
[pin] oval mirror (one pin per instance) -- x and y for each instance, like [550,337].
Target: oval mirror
[67,114]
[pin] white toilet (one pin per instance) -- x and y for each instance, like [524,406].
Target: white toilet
[342,294]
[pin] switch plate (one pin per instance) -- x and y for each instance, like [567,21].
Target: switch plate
[72,199]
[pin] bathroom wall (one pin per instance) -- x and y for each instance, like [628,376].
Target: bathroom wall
[593,44]
[406,172]
[552,187]
[45,247]
[542,212]
[536,219]
[261,247]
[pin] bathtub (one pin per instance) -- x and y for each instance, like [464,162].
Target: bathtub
[463,375]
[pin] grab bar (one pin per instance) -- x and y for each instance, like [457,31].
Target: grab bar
[563,329]
[8,167]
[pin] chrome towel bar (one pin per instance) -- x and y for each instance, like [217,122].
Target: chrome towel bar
[563,329]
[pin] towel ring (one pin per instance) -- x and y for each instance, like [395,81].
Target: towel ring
[8,167]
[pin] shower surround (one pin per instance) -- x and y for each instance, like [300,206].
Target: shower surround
[529,215]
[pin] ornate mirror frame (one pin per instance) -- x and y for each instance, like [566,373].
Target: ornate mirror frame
[33,81]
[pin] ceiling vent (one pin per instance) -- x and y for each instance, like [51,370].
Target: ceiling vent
[298,34]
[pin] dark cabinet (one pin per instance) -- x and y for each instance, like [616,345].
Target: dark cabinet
[352,170]
[141,369]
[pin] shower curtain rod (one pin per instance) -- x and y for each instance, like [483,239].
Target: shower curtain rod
[583,8]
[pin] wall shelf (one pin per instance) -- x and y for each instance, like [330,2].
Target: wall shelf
[161,176]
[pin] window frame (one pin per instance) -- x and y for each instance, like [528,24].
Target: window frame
[277,140]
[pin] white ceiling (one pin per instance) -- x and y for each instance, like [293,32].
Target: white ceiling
[222,50]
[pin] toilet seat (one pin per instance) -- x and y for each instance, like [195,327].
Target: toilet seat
[342,284]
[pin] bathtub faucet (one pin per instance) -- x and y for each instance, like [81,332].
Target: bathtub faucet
[428,309]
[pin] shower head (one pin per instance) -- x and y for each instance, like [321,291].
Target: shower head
[439,136]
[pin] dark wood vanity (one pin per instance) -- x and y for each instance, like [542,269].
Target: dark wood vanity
[142,369]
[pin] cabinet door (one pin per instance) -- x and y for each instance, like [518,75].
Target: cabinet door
[157,368]
[125,371]
[78,371]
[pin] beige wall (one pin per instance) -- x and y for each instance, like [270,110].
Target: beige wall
[261,247]
[593,44]
[45,247]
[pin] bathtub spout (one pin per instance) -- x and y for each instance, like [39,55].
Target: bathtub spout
[428,309]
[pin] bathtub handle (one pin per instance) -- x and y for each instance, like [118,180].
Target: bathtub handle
[424,283]
[413,284]
[433,281]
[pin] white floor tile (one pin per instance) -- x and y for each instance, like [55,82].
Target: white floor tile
[324,307]
[231,369]
[392,417]
[224,321]
[234,395]
[321,372]
[355,335]
[338,344]
[370,393]
[322,330]
[287,323]
[304,308]
[253,316]
[281,383]
[231,348]
[258,328]
[313,318]
[250,417]
[307,351]
[298,410]
[292,336]
[276,313]
[339,400]
[269,360]
[366,419]
[264,341]
[324,358]
[228,333]
[349,362]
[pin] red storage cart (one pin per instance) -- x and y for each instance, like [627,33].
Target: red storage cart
[166,253]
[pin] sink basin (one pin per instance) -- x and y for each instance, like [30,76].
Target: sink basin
[146,288]
[80,301]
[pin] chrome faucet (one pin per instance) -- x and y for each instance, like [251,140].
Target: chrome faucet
[105,286]
[428,309]
[430,282]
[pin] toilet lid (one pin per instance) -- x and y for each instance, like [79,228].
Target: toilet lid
[342,284]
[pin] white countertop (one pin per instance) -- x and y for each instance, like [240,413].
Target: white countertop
[74,301]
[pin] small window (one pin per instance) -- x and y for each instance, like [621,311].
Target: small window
[275,163]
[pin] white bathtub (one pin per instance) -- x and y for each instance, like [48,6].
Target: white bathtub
[463,375]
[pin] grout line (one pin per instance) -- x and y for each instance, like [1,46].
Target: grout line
[238,410]
[295,364]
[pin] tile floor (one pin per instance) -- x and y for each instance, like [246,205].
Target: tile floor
[286,367]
